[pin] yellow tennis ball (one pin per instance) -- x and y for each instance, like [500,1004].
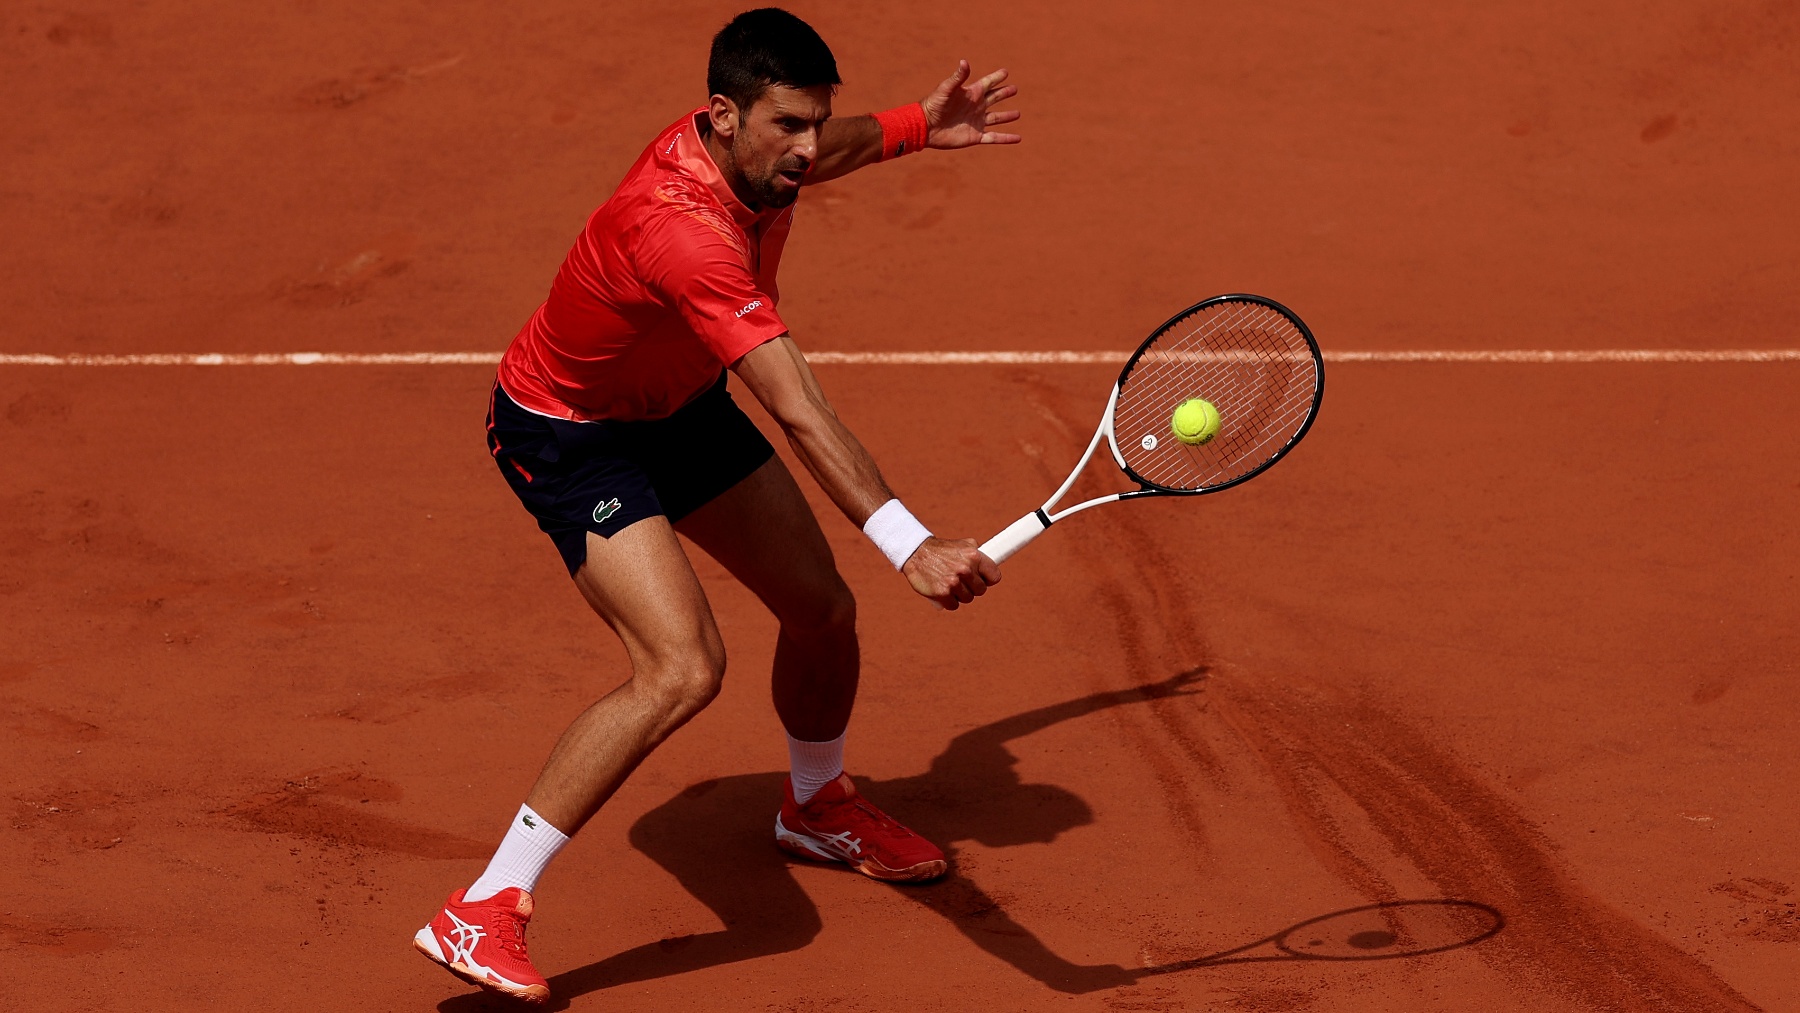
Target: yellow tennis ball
[1195,422]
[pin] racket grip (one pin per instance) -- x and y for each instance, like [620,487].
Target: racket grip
[1001,547]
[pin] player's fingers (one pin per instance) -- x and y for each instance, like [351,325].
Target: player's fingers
[1001,138]
[992,79]
[1000,94]
[987,568]
[995,119]
[961,75]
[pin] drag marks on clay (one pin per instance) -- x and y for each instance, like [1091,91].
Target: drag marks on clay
[1152,1000]
[1277,999]
[51,938]
[403,701]
[38,408]
[1471,844]
[331,807]
[81,819]
[366,83]
[44,723]
[1764,909]
[349,281]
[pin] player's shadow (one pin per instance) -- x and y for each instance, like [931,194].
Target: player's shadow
[717,839]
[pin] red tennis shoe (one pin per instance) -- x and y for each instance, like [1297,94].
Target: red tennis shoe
[484,943]
[838,825]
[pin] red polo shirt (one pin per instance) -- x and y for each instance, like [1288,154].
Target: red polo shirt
[672,279]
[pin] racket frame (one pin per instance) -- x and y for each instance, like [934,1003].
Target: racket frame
[1015,535]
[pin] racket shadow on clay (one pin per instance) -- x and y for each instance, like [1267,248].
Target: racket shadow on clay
[1390,930]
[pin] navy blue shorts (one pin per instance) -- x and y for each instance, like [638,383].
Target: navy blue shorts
[576,477]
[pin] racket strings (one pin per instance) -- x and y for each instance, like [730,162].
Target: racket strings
[1250,360]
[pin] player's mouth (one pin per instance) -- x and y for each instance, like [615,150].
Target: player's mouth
[794,176]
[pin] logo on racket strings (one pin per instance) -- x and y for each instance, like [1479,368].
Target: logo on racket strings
[1148,442]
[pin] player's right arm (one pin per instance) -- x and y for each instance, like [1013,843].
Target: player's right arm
[948,571]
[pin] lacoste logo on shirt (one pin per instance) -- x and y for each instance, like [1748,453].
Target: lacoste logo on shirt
[527,821]
[754,304]
[606,509]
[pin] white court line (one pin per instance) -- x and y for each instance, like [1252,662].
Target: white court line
[1514,355]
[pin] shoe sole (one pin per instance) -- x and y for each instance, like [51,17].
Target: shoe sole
[426,942]
[808,847]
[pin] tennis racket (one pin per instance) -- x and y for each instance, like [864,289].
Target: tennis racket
[1251,358]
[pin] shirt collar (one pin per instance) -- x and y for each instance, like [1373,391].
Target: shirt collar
[690,148]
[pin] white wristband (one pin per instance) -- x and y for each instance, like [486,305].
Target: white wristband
[896,532]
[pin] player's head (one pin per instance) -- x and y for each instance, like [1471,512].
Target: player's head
[771,79]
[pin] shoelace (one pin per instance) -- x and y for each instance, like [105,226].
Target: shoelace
[509,934]
[882,819]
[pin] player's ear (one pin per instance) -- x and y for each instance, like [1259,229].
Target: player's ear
[724,116]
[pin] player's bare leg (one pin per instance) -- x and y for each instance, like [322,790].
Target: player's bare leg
[764,532]
[641,583]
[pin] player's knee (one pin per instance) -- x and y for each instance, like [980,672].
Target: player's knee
[831,611]
[688,684]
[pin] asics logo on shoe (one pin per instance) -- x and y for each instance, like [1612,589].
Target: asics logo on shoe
[462,941]
[605,510]
[843,840]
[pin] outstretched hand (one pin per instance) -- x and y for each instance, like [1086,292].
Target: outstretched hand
[959,113]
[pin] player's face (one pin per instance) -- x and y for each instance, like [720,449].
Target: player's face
[777,139]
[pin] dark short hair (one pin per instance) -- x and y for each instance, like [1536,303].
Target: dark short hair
[766,47]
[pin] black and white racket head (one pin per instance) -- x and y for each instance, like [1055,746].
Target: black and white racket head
[1252,358]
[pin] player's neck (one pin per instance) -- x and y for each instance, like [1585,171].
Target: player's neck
[728,168]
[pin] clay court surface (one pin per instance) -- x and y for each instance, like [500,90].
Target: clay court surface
[280,653]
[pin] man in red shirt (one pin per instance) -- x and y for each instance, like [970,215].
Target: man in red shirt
[611,421]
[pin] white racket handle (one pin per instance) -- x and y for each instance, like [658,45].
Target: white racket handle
[1017,534]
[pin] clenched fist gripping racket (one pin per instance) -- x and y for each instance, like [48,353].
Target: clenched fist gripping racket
[1250,357]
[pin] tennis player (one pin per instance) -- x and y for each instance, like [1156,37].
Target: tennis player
[611,421]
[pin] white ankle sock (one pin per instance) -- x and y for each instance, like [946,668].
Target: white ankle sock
[813,765]
[530,843]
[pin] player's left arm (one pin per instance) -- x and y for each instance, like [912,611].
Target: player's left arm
[959,114]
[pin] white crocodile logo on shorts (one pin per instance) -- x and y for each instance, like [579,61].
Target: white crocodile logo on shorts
[606,509]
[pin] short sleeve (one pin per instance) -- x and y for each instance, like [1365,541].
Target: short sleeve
[702,275]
